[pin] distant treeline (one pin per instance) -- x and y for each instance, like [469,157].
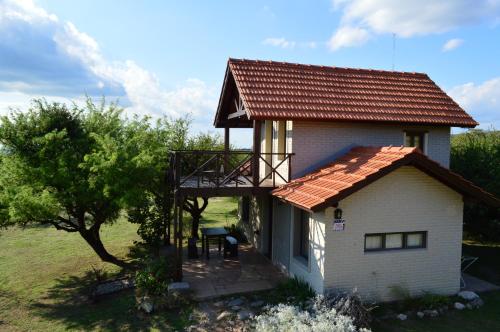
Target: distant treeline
[476,156]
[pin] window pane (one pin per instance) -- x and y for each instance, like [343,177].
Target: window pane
[304,235]
[417,141]
[408,140]
[373,242]
[393,241]
[415,240]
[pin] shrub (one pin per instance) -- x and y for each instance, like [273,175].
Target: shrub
[293,289]
[284,317]
[347,304]
[155,276]
[433,301]
[426,301]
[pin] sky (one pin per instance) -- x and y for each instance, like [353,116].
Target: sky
[169,57]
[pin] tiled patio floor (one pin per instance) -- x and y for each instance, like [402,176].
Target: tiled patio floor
[248,272]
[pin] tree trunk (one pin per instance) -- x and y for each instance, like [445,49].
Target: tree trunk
[195,225]
[195,210]
[94,240]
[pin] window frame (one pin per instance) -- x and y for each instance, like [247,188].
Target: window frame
[281,139]
[404,244]
[301,220]
[413,133]
[304,223]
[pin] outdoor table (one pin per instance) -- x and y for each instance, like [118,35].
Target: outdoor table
[212,232]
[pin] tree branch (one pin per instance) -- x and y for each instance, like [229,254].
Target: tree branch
[61,227]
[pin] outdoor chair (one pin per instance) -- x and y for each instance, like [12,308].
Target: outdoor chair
[230,247]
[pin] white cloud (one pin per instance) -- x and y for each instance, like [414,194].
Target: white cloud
[348,37]
[279,42]
[452,44]
[284,43]
[482,101]
[414,17]
[71,64]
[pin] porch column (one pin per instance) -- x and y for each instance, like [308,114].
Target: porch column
[256,152]
[226,150]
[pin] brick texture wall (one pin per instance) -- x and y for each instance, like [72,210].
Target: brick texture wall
[405,200]
[316,143]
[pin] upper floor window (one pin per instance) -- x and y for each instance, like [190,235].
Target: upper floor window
[281,139]
[416,139]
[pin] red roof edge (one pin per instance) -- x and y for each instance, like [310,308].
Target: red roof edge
[416,159]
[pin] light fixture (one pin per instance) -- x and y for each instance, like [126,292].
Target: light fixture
[338,213]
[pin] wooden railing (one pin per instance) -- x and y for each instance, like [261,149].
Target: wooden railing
[234,168]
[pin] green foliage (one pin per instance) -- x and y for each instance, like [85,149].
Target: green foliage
[155,276]
[476,156]
[433,301]
[427,301]
[291,290]
[151,210]
[72,168]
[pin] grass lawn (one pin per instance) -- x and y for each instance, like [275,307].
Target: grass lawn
[44,272]
[220,211]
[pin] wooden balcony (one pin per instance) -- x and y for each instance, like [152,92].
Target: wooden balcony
[228,173]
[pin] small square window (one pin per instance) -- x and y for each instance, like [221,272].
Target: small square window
[415,240]
[415,139]
[394,241]
[373,242]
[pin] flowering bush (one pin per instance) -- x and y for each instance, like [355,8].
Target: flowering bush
[288,318]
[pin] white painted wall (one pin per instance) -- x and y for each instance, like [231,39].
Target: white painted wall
[311,271]
[402,201]
[317,143]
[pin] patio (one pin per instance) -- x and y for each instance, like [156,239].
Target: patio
[249,272]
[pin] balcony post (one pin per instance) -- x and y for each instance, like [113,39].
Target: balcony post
[226,150]
[256,152]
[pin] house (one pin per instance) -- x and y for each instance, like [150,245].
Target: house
[347,185]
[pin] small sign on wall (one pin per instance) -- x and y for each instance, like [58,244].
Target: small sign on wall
[338,225]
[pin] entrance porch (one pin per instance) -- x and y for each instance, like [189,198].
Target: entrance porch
[249,272]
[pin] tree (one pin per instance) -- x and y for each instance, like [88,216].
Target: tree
[67,167]
[192,205]
[476,156]
[203,141]
[152,208]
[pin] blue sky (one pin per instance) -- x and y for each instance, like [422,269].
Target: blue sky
[166,57]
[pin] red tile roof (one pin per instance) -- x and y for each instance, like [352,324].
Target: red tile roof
[360,167]
[279,90]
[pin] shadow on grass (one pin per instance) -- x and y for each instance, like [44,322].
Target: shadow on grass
[67,302]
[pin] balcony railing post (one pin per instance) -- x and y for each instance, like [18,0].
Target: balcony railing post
[256,152]
[289,167]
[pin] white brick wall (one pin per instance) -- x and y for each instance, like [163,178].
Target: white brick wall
[311,271]
[317,143]
[405,200]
